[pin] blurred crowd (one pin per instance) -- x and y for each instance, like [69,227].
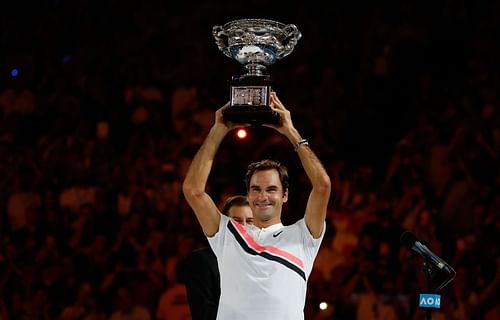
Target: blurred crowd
[103,104]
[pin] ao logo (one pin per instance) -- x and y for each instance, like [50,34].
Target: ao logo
[430,301]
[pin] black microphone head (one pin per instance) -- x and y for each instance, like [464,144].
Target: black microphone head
[408,239]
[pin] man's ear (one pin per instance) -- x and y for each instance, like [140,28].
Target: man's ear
[285,196]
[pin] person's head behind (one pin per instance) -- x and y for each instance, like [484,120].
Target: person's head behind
[267,189]
[237,208]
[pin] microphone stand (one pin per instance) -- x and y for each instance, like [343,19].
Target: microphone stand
[428,276]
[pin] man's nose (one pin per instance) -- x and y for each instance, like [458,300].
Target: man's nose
[262,195]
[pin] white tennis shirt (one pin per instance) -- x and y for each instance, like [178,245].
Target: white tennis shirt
[263,272]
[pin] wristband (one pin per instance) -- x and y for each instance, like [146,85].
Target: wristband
[302,142]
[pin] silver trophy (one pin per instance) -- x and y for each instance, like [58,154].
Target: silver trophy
[255,43]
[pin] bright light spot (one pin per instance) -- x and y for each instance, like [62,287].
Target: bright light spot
[14,72]
[241,133]
[323,305]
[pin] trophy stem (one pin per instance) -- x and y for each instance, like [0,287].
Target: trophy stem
[255,69]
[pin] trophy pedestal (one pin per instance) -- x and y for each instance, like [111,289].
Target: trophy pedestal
[250,101]
[252,115]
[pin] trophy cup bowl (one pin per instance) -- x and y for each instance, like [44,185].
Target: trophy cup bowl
[255,43]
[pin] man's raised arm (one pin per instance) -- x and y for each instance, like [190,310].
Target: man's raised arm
[196,178]
[317,203]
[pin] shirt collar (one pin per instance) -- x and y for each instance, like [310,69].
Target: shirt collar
[271,228]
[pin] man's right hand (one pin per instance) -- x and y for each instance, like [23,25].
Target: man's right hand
[228,126]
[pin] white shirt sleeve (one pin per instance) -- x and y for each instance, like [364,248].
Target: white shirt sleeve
[311,245]
[216,242]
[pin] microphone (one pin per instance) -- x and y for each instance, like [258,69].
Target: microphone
[415,245]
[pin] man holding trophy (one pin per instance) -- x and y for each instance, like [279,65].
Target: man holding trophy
[264,268]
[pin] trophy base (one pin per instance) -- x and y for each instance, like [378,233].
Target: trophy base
[250,99]
[253,115]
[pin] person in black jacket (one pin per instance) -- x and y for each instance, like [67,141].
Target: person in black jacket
[201,273]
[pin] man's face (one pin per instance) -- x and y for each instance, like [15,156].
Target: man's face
[266,195]
[241,214]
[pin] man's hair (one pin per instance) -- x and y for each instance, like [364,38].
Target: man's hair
[268,165]
[234,201]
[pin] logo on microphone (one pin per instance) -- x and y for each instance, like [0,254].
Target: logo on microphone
[429,301]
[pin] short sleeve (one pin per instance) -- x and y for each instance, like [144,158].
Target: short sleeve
[216,242]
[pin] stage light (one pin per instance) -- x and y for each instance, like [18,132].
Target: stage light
[323,306]
[241,133]
[14,72]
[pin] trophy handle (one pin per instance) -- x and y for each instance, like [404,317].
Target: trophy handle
[221,39]
[292,36]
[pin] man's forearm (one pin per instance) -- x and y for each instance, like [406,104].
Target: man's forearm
[196,179]
[199,170]
[312,165]
[314,169]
